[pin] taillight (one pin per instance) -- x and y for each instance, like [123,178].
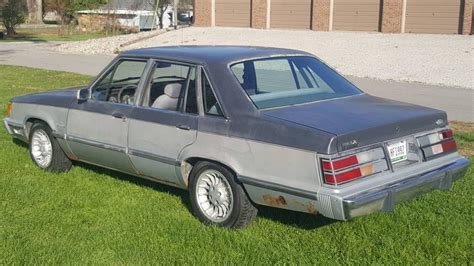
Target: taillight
[340,164]
[446,134]
[437,143]
[337,171]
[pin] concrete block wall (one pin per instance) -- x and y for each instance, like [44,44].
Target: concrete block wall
[467,18]
[321,15]
[259,14]
[203,13]
[392,14]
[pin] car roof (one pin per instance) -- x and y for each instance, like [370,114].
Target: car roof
[212,54]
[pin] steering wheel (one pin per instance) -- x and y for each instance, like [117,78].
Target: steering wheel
[127,99]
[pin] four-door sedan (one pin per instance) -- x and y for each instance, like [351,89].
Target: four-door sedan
[240,127]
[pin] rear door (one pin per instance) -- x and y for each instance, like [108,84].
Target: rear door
[164,122]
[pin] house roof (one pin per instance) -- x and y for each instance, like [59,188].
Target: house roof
[148,5]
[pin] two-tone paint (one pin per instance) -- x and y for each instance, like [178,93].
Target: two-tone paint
[274,153]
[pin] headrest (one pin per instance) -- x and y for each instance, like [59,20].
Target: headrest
[173,90]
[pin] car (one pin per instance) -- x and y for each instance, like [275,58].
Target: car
[240,127]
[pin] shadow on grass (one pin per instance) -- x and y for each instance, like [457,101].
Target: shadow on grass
[290,218]
[23,38]
[296,219]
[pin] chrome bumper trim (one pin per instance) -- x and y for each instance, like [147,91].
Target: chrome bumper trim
[15,129]
[7,126]
[386,197]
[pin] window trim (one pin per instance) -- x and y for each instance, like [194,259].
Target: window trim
[185,102]
[288,56]
[146,88]
[112,66]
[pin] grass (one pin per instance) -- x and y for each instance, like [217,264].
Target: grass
[50,35]
[96,216]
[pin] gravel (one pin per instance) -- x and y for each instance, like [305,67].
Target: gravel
[446,60]
[108,45]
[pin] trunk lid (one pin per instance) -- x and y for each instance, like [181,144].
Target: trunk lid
[363,119]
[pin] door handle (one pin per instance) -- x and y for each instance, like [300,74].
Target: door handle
[119,116]
[183,127]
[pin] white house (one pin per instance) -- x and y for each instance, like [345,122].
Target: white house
[137,14]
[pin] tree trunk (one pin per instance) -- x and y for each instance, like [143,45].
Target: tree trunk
[35,11]
[10,30]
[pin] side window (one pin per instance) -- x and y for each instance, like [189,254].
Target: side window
[168,86]
[119,85]
[211,106]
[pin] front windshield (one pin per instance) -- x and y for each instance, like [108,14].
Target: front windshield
[285,81]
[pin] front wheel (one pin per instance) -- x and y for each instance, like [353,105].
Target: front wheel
[45,150]
[217,199]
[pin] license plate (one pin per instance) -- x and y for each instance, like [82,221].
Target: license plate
[398,151]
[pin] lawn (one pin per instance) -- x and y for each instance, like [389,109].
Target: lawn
[96,216]
[49,35]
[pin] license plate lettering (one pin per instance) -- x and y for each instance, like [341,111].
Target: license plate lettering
[398,151]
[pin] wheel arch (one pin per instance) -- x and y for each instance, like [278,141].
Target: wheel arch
[30,121]
[188,164]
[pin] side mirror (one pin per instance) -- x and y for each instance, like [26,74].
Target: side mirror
[83,94]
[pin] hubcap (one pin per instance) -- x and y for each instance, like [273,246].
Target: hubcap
[214,195]
[41,148]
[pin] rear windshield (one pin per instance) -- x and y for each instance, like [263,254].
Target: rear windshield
[285,81]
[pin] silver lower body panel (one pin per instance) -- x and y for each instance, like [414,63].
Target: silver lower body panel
[385,198]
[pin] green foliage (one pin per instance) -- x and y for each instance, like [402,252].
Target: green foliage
[67,8]
[96,216]
[87,4]
[12,13]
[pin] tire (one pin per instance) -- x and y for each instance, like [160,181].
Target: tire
[216,186]
[42,144]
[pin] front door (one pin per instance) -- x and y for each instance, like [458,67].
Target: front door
[165,122]
[97,128]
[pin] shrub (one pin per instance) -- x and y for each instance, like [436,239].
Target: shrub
[12,13]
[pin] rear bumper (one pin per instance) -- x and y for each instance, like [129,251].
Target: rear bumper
[386,197]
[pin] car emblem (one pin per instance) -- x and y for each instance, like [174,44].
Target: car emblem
[440,122]
[350,144]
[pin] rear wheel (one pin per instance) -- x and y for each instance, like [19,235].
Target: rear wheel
[45,150]
[217,199]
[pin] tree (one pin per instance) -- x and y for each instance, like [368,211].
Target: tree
[160,7]
[35,11]
[66,8]
[13,13]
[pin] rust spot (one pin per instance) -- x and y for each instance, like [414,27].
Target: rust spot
[274,201]
[311,209]
[308,207]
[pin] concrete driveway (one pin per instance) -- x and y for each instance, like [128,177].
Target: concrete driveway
[458,102]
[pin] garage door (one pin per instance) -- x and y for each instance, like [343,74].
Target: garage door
[433,16]
[356,15]
[294,14]
[233,13]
